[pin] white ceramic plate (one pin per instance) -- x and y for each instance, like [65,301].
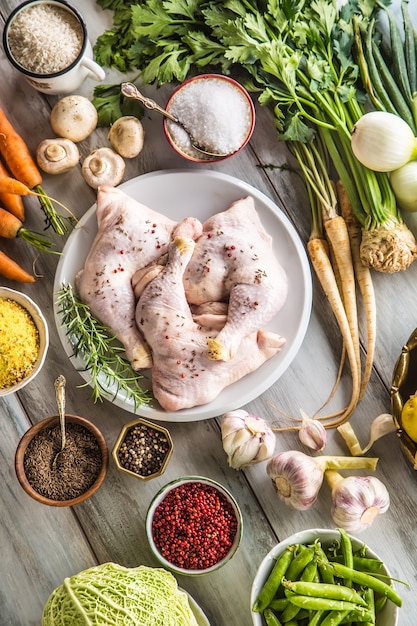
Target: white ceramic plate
[201,193]
[198,612]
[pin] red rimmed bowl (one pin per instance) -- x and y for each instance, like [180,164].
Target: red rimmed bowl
[194,526]
[219,113]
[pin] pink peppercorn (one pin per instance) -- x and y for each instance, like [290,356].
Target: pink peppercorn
[194,526]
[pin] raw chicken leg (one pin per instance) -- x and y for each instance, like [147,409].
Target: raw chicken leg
[130,236]
[234,261]
[182,374]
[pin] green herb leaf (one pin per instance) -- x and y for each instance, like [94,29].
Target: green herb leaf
[102,355]
[111,104]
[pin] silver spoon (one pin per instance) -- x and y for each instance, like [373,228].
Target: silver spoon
[60,399]
[129,90]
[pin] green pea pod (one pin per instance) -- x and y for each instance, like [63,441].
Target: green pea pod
[278,604]
[324,590]
[316,618]
[362,563]
[370,601]
[334,618]
[347,552]
[273,581]
[380,603]
[308,575]
[325,604]
[358,619]
[366,580]
[270,618]
[299,562]
[321,557]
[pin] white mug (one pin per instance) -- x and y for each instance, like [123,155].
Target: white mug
[66,80]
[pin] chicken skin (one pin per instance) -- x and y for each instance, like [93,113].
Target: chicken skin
[182,374]
[234,262]
[130,236]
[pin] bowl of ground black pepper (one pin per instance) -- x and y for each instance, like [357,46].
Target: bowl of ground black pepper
[79,469]
[194,525]
[218,112]
[142,449]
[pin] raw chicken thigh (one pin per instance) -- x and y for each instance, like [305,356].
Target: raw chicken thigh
[188,300]
[182,374]
[130,236]
[234,261]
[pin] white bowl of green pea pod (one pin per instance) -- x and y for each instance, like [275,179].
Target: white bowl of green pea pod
[267,605]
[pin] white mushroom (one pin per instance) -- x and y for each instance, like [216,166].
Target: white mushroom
[103,167]
[56,156]
[126,136]
[74,117]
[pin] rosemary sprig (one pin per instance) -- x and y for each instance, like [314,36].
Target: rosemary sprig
[91,341]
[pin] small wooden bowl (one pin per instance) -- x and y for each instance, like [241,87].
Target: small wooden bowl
[32,432]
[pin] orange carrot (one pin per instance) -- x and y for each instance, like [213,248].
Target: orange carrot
[10,201]
[15,187]
[11,270]
[11,227]
[19,160]
[17,155]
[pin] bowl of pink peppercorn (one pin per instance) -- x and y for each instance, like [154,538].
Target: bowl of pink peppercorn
[194,525]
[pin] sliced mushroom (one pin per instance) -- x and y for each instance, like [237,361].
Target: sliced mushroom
[126,136]
[103,167]
[56,156]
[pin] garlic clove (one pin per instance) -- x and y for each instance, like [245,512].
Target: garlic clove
[244,455]
[312,433]
[246,438]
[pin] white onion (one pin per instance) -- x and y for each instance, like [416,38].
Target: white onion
[404,184]
[383,141]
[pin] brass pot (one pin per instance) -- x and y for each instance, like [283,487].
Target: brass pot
[404,385]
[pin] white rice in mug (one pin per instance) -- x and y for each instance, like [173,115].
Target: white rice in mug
[45,39]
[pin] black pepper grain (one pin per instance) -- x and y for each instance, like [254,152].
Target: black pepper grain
[143,450]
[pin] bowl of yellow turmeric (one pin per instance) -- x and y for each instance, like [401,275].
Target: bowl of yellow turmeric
[24,340]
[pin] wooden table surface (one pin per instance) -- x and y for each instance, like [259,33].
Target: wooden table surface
[40,545]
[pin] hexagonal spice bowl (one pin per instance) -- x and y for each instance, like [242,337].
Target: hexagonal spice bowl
[143,449]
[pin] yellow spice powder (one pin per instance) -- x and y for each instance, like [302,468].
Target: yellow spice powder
[19,343]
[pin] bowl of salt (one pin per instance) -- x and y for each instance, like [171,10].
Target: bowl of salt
[217,111]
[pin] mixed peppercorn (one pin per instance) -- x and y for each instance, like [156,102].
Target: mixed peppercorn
[194,526]
[144,450]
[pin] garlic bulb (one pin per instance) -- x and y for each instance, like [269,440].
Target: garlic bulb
[383,141]
[247,439]
[312,433]
[298,477]
[356,500]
